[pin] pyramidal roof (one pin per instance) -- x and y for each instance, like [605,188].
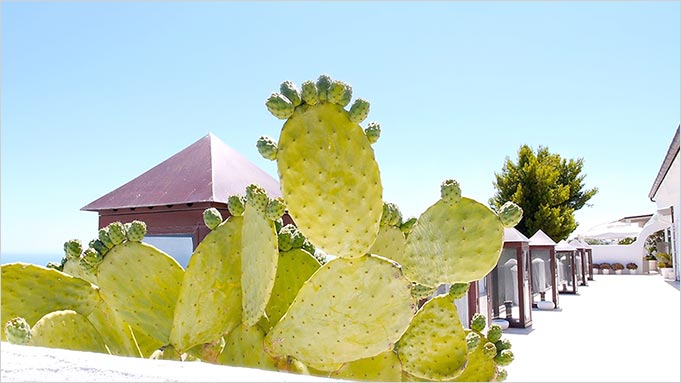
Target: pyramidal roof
[205,171]
[513,235]
[541,239]
[578,243]
[565,246]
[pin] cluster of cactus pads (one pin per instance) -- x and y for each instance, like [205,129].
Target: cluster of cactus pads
[261,294]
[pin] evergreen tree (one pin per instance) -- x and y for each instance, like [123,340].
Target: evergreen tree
[548,188]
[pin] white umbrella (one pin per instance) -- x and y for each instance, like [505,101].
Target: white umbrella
[613,230]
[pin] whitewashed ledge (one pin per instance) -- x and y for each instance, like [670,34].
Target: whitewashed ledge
[40,364]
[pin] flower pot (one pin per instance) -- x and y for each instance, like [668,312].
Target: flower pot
[606,271]
[652,266]
[597,271]
[618,272]
[632,271]
[667,273]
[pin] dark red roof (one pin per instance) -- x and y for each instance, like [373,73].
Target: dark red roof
[206,171]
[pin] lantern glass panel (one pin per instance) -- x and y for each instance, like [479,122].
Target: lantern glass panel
[505,298]
[542,277]
[565,271]
[578,266]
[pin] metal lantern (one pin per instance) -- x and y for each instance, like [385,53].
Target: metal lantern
[544,271]
[566,255]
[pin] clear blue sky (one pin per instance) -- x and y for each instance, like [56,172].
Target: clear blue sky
[94,94]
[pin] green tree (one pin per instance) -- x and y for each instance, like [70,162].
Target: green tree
[548,188]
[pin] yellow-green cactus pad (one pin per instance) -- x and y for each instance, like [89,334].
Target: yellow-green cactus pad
[244,348]
[258,264]
[294,268]
[480,367]
[141,283]
[31,291]
[349,309]
[390,243]
[209,302]
[67,329]
[330,179]
[74,268]
[384,367]
[453,243]
[434,345]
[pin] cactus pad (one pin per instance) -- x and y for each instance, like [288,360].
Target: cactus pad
[453,243]
[209,302]
[390,243]
[31,291]
[349,309]
[384,367]
[67,329]
[141,283]
[330,179]
[258,264]
[244,348]
[434,346]
[294,268]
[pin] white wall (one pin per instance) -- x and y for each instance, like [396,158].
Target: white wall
[669,195]
[618,253]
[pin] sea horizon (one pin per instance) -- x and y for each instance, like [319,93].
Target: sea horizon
[37,259]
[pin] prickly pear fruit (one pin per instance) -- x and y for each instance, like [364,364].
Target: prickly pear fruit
[503,344]
[407,225]
[444,355]
[458,290]
[480,367]
[323,85]
[490,350]
[55,265]
[391,215]
[289,90]
[504,358]
[116,232]
[373,132]
[236,205]
[309,92]
[256,196]
[212,218]
[349,325]
[18,331]
[136,231]
[69,330]
[92,257]
[267,147]
[309,247]
[419,291]
[339,92]
[502,374]
[359,110]
[99,247]
[280,106]
[510,214]
[478,322]
[285,237]
[450,191]
[275,209]
[103,235]
[494,333]
[472,341]
[73,248]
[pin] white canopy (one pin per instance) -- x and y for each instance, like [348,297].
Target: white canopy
[613,230]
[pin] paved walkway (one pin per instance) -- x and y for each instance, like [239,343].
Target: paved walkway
[620,328]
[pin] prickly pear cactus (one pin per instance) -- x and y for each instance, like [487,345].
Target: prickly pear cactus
[329,176]
[384,367]
[244,348]
[294,268]
[349,309]
[141,283]
[67,329]
[209,301]
[443,356]
[452,242]
[31,291]
[258,263]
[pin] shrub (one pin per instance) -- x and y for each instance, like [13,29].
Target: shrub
[632,266]
[606,266]
[617,266]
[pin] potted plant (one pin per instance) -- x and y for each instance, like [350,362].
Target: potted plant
[652,262]
[605,268]
[631,266]
[664,263]
[618,267]
[650,245]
